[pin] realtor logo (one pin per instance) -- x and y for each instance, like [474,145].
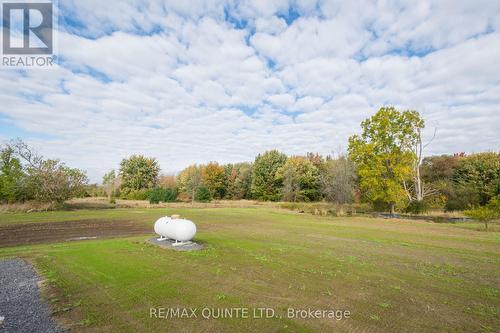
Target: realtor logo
[27,29]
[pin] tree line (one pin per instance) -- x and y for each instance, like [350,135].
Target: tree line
[384,165]
[273,176]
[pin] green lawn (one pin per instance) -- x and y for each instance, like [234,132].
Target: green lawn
[393,276]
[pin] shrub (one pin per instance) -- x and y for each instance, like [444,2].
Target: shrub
[159,194]
[380,206]
[137,194]
[202,194]
[461,198]
[416,207]
[485,213]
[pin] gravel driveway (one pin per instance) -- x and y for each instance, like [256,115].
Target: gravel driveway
[21,308]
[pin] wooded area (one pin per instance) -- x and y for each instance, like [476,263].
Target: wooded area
[384,166]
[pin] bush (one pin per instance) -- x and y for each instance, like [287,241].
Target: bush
[202,194]
[380,206]
[485,213]
[416,207]
[137,194]
[159,194]
[461,198]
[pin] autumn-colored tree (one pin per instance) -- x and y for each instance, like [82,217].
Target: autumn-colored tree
[167,181]
[215,179]
[189,180]
[138,172]
[317,160]
[384,156]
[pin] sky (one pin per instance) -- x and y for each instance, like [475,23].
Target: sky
[198,81]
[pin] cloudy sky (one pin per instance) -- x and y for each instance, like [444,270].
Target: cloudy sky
[195,81]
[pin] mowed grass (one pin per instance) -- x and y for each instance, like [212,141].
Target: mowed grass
[392,275]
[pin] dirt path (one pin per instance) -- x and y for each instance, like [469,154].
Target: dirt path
[35,233]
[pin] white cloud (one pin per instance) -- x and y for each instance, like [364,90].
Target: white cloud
[282,100]
[224,80]
[272,25]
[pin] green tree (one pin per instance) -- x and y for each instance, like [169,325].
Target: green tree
[54,182]
[138,173]
[239,178]
[481,174]
[486,213]
[300,179]
[162,194]
[12,176]
[437,172]
[215,179]
[265,184]
[440,168]
[47,180]
[202,194]
[384,156]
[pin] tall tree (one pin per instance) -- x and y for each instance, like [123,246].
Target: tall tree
[437,174]
[138,172]
[215,179]
[189,180]
[338,180]
[265,184]
[383,154]
[300,179]
[239,176]
[111,183]
[12,176]
[440,168]
[480,172]
[415,189]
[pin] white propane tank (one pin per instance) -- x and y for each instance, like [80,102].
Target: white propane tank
[175,228]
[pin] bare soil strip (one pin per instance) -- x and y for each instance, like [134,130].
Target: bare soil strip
[49,232]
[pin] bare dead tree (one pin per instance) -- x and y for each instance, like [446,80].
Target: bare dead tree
[417,190]
[26,153]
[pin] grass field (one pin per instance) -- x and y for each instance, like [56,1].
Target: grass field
[392,275]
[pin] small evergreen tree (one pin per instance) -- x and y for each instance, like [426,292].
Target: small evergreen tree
[202,194]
